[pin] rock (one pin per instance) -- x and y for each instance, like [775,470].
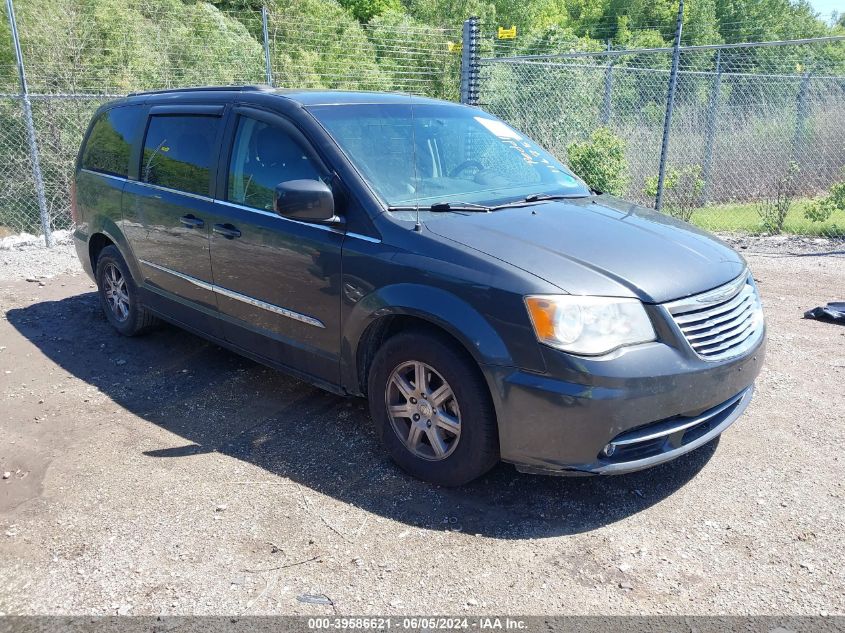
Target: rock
[124,609]
[120,361]
[624,567]
[7,474]
[221,507]
[32,280]
[472,602]
[626,586]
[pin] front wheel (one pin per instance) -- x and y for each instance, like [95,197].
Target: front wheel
[432,409]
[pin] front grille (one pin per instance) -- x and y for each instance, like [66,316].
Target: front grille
[721,323]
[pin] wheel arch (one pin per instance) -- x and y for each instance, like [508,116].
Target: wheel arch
[398,308]
[107,233]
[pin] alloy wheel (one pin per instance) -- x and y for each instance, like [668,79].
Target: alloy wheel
[423,410]
[117,295]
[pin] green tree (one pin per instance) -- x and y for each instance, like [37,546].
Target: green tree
[366,10]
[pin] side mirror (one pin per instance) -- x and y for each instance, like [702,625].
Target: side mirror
[306,200]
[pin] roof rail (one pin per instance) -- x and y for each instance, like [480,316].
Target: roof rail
[248,88]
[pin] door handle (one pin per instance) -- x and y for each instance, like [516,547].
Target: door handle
[227,230]
[191,222]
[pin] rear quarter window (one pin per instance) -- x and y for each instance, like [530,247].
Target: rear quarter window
[109,144]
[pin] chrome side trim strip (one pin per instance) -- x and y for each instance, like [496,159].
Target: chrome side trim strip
[99,173]
[150,185]
[197,282]
[258,303]
[323,227]
[296,316]
[365,238]
[179,192]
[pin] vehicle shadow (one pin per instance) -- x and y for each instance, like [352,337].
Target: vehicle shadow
[219,401]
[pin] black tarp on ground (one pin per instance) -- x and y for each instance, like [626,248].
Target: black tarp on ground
[833,311]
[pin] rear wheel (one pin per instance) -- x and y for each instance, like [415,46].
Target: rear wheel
[432,410]
[119,295]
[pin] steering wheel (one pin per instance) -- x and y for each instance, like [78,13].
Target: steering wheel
[464,166]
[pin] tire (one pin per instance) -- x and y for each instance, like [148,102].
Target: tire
[119,295]
[447,458]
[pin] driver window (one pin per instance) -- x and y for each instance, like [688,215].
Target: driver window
[264,155]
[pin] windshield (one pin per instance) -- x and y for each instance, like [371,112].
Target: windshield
[424,154]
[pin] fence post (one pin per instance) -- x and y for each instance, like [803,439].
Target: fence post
[800,116]
[710,130]
[469,62]
[670,104]
[268,68]
[608,90]
[30,131]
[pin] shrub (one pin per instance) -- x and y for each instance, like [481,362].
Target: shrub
[773,208]
[821,210]
[600,161]
[681,190]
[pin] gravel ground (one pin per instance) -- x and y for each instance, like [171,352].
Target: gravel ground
[24,257]
[164,475]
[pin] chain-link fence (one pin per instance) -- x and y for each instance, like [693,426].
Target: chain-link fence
[757,136]
[78,54]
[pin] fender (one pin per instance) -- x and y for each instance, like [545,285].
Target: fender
[428,303]
[107,226]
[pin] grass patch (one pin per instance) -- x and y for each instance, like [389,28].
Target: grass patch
[743,218]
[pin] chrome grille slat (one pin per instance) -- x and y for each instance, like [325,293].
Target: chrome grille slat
[721,323]
[699,345]
[742,308]
[728,345]
[706,313]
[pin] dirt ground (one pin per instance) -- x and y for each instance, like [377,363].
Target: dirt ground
[164,475]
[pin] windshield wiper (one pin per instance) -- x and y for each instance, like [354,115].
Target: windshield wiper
[441,207]
[459,206]
[540,197]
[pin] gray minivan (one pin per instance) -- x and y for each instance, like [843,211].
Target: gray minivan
[429,257]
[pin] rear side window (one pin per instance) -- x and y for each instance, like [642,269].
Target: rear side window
[109,145]
[178,152]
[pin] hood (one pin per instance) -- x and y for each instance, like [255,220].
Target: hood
[599,246]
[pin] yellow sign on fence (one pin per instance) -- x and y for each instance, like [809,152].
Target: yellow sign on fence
[454,47]
[507,34]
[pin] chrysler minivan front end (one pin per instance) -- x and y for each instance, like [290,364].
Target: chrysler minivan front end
[687,379]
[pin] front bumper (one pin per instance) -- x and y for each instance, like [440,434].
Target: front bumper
[651,402]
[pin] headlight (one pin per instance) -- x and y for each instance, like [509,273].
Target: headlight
[588,325]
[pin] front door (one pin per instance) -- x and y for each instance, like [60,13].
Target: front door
[168,212]
[276,279]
